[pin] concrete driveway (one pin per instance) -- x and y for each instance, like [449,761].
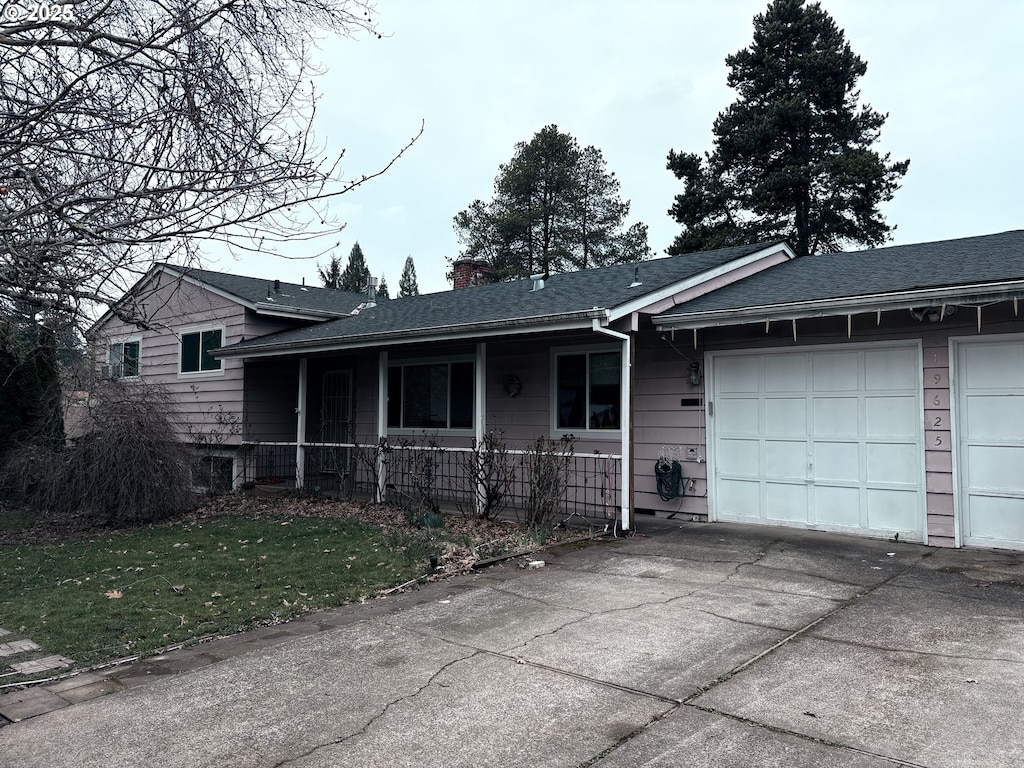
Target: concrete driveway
[693,645]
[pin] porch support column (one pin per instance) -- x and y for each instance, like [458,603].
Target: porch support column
[626,408]
[300,425]
[382,427]
[480,413]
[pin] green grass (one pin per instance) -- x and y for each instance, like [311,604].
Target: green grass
[131,593]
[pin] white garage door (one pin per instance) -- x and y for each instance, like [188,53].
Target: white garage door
[990,437]
[829,439]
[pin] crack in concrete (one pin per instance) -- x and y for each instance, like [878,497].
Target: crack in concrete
[937,654]
[375,718]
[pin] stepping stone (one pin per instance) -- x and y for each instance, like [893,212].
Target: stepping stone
[4,632]
[42,665]
[17,646]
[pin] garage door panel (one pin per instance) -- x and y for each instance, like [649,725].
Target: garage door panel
[785,416]
[894,416]
[837,507]
[785,458]
[890,369]
[893,463]
[1000,520]
[740,457]
[741,417]
[786,373]
[836,416]
[737,375]
[993,364]
[996,468]
[836,372]
[837,462]
[892,510]
[786,502]
[994,417]
[740,499]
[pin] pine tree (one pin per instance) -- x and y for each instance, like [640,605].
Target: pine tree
[331,277]
[382,289]
[407,285]
[356,275]
[792,156]
[556,208]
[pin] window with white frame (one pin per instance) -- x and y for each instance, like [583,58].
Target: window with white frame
[588,390]
[430,395]
[123,358]
[195,354]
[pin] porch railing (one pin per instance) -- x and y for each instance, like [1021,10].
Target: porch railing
[414,476]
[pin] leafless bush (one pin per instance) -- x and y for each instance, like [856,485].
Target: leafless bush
[487,474]
[547,465]
[128,468]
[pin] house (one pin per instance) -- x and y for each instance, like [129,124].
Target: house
[875,393]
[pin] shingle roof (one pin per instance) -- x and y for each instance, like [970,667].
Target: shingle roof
[510,302]
[257,291]
[968,262]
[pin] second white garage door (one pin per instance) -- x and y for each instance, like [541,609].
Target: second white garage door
[824,438]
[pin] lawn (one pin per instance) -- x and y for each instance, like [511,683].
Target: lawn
[102,597]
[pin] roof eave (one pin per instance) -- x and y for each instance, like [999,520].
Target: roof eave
[849,305]
[544,323]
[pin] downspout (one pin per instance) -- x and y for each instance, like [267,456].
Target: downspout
[300,425]
[382,427]
[627,426]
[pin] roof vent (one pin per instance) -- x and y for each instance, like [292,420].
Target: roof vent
[636,278]
[538,282]
[277,286]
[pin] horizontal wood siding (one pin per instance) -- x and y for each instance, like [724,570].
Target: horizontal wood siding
[664,425]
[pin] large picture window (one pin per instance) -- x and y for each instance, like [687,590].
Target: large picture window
[588,390]
[430,396]
[123,359]
[195,351]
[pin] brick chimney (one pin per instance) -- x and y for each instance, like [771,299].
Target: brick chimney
[467,272]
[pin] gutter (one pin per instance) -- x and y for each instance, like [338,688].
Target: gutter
[565,321]
[797,310]
[627,426]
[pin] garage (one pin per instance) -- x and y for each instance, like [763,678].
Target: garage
[828,438]
[989,380]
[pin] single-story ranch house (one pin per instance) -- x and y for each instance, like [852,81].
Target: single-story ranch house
[878,392]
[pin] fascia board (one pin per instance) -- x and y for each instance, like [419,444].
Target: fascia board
[569,322]
[843,306]
[668,291]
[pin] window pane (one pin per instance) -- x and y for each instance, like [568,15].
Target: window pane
[572,391]
[425,396]
[605,375]
[210,340]
[130,359]
[190,353]
[395,397]
[462,396]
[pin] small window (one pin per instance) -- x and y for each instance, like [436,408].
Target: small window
[430,396]
[195,351]
[123,359]
[589,390]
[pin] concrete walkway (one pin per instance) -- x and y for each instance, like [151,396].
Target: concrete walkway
[696,645]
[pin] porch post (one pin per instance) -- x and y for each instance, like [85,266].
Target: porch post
[626,408]
[300,425]
[480,414]
[382,426]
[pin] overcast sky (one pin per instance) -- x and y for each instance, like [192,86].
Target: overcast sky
[636,80]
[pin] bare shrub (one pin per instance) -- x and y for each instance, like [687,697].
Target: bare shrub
[487,474]
[547,465]
[128,468]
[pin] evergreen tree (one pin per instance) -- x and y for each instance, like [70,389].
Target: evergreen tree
[382,289]
[356,274]
[792,156]
[407,285]
[556,208]
[331,277]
